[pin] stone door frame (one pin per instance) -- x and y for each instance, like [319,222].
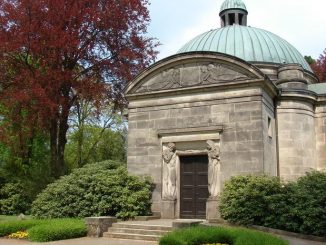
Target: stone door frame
[171,208]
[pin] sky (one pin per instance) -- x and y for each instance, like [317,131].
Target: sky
[301,22]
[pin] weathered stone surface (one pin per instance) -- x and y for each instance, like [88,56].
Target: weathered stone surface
[185,223]
[297,143]
[168,209]
[170,100]
[212,209]
[192,75]
[96,226]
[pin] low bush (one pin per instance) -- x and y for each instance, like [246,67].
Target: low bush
[59,229]
[266,201]
[45,230]
[13,199]
[209,235]
[245,199]
[95,190]
[307,214]
[7,228]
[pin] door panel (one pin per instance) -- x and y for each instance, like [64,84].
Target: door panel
[193,186]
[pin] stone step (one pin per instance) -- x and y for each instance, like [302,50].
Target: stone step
[142,227]
[112,230]
[132,236]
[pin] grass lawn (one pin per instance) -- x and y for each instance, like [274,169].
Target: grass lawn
[43,230]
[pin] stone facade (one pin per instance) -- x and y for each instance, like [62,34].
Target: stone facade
[262,118]
[199,117]
[320,128]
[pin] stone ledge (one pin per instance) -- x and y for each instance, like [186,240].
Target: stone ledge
[186,223]
[96,226]
[146,218]
[290,234]
[181,131]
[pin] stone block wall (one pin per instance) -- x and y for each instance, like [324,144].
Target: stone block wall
[297,141]
[269,136]
[321,136]
[240,112]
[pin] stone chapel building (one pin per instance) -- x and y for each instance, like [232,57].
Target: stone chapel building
[236,100]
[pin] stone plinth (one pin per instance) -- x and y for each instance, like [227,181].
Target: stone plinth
[212,209]
[168,209]
[185,223]
[96,226]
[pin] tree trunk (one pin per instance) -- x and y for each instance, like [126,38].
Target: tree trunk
[58,142]
[62,139]
[58,135]
[55,167]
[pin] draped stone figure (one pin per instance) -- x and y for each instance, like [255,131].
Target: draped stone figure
[214,168]
[169,172]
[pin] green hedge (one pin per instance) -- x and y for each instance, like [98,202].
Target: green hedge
[97,189]
[55,230]
[6,228]
[46,230]
[210,235]
[266,201]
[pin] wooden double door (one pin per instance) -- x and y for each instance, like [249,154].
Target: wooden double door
[193,186]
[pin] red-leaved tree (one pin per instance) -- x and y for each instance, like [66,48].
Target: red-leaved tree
[320,67]
[53,52]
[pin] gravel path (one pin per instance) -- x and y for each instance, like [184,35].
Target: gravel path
[80,241]
[296,241]
[111,241]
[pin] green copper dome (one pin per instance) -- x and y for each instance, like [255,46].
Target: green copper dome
[233,4]
[247,43]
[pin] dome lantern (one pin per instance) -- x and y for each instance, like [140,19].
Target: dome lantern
[233,12]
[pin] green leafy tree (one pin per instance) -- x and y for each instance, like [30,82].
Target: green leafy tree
[310,60]
[98,144]
[97,133]
[55,52]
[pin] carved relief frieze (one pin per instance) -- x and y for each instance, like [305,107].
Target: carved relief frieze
[168,79]
[190,76]
[211,74]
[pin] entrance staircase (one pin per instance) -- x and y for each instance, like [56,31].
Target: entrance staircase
[148,231]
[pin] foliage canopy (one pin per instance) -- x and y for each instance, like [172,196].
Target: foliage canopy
[320,67]
[56,52]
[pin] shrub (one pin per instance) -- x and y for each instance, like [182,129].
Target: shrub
[13,199]
[261,200]
[308,214]
[208,235]
[246,199]
[60,229]
[46,230]
[96,189]
[7,228]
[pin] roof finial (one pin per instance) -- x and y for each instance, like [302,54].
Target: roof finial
[233,12]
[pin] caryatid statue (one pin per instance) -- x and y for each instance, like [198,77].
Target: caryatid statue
[214,168]
[169,172]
